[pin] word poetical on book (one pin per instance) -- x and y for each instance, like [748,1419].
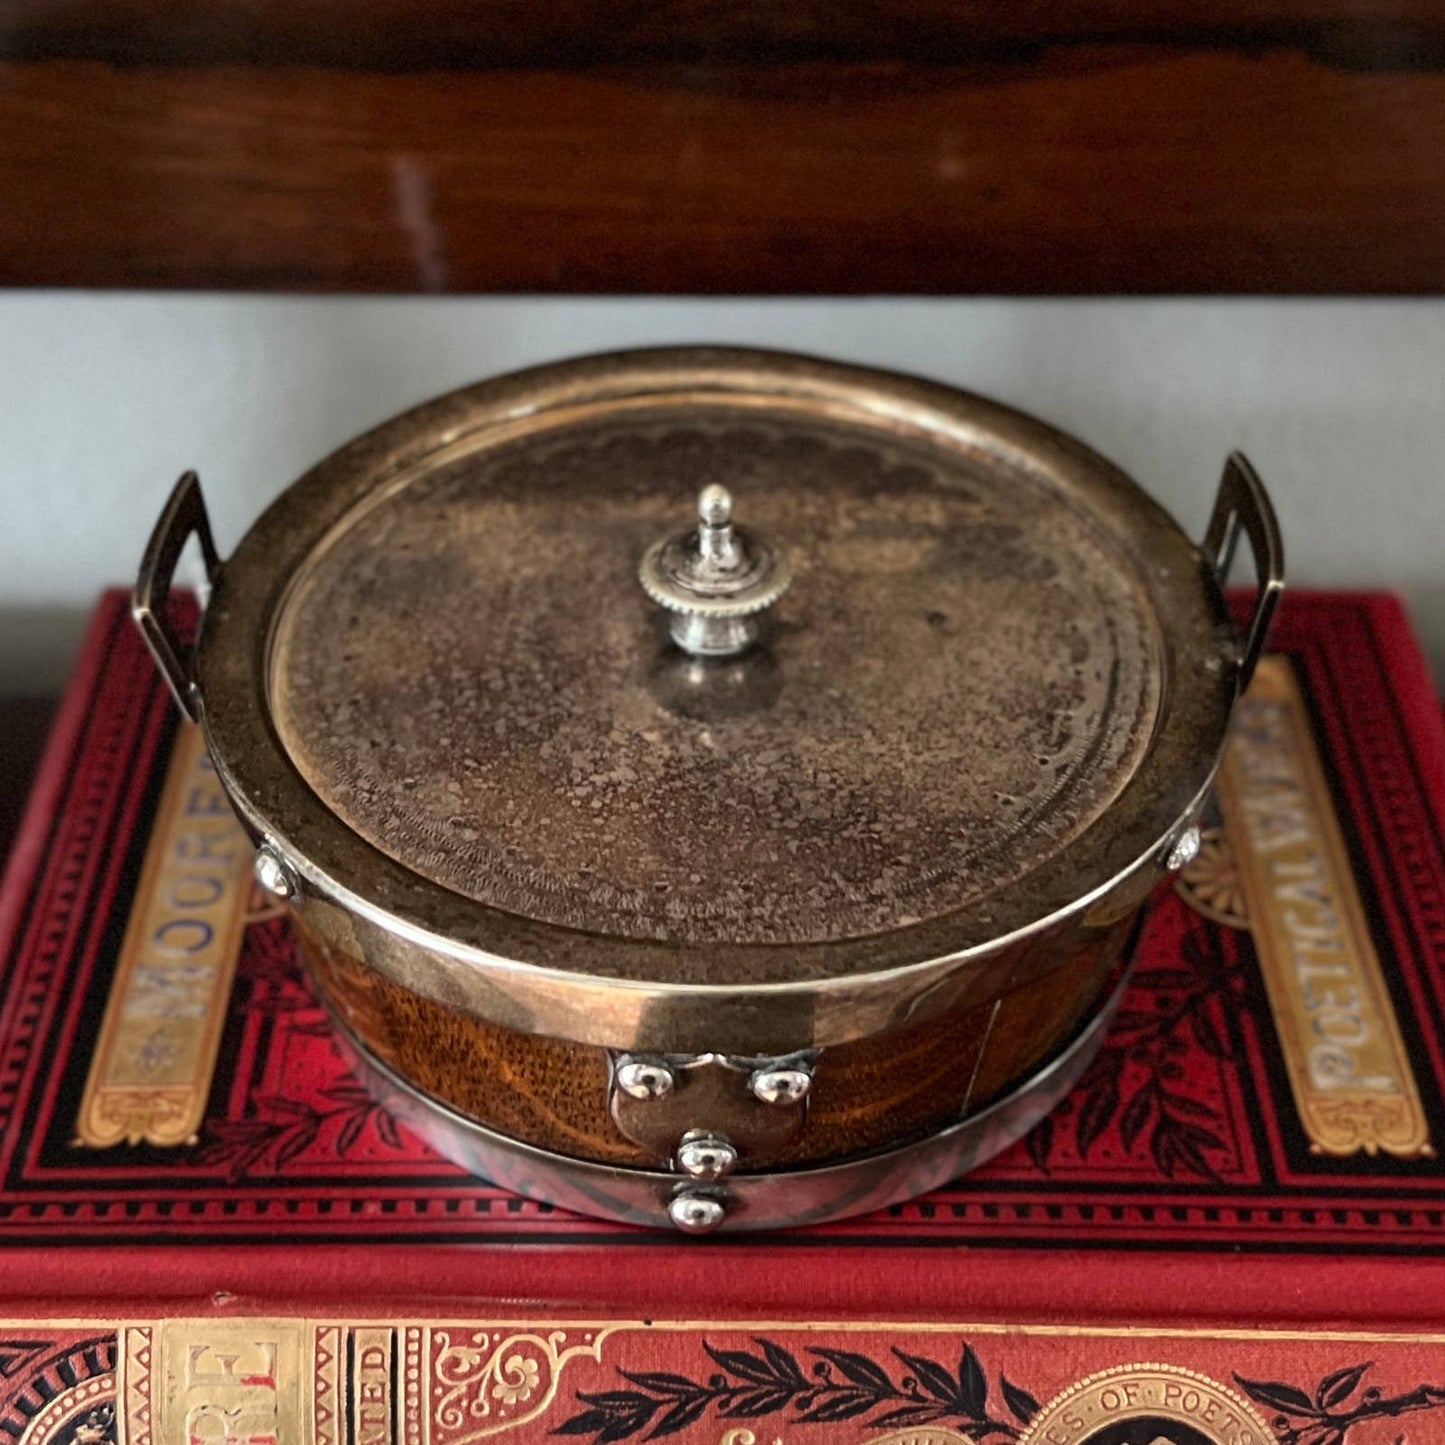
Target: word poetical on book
[1348,1068]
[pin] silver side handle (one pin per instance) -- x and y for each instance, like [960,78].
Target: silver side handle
[182,517]
[1243,506]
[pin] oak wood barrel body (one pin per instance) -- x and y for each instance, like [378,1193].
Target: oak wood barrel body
[871,1094]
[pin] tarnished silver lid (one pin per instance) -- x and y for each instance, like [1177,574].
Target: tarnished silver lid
[963,677]
[998,678]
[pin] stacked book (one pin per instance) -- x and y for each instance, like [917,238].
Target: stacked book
[1232,1232]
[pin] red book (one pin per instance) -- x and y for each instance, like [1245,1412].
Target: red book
[1233,1230]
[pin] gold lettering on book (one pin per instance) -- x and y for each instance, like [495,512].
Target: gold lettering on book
[921,1435]
[1347,1064]
[152,1068]
[224,1382]
[1136,1401]
[371,1387]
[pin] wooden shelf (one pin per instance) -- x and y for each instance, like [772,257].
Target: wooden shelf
[895,146]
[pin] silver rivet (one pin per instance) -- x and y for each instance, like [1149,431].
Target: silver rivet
[781,1086]
[695,1213]
[706,1156]
[1185,849]
[644,1079]
[273,873]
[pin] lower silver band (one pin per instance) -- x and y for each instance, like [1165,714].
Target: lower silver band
[782,1199]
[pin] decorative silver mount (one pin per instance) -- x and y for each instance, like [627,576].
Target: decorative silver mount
[782,1085]
[1184,849]
[706,1115]
[717,581]
[705,1155]
[643,1079]
[695,1213]
[273,873]
[747,1199]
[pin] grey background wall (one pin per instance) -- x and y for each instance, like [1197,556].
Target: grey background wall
[104,399]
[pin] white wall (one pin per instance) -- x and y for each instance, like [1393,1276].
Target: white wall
[105,399]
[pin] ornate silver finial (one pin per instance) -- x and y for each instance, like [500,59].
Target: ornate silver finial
[717,581]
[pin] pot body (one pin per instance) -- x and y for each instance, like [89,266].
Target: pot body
[769,1199]
[749,1074]
[1013,1013]
[967,1063]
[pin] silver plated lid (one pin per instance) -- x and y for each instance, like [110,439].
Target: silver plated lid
[998,679]
[961,680]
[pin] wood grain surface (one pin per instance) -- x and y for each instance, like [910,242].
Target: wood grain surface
[686,146]
[870,1094]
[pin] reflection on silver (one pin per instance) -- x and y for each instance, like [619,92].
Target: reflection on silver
[785,1198]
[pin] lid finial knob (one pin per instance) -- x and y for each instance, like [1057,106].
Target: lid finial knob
[717,544]
[717,580]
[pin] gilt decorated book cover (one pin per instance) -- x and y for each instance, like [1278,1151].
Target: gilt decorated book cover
[1233,1230]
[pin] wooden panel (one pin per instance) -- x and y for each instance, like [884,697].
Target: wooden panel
[397,35]
[898,146]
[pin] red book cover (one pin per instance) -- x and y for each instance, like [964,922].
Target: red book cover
[1232,1231]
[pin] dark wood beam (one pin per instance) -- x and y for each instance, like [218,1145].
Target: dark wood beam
[897,146]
